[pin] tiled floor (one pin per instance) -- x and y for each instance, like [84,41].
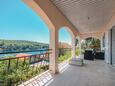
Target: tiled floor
[46,77]
[93,73]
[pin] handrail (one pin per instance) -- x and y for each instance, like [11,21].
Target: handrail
[3,59]
[29,65]
[24,51]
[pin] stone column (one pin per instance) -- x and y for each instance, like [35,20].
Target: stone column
[73,47]
[101,41]
[53,66]
[79,44]
[75,60]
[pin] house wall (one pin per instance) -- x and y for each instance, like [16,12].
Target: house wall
[113,46]
[108,46]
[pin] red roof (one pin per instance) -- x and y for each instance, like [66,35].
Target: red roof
[22,55]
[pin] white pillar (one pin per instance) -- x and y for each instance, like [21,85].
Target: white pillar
[108,46]
[75,60]
[53,67]
[73,47]
[101,43]
[79,40]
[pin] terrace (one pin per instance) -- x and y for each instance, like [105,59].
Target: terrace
[82,19]
[95,73]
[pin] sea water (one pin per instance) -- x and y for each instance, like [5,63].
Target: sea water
[14,54]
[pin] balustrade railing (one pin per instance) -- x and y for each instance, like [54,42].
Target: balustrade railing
[64,54]
[15,70]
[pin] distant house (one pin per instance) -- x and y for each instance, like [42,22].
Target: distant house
[22,55]
[64,45]
[1,49]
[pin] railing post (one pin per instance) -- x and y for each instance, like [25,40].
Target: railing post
[8,65]
[53,66]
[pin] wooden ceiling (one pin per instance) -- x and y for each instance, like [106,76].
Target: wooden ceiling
[87,15]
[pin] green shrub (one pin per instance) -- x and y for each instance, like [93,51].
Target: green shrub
[77,51]
[65,56]
[16,74]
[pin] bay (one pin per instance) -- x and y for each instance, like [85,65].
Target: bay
[14,54]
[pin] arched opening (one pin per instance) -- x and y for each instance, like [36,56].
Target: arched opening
[91,48]
[65,44]
[22,34]
[26,27]
[90,43]
[37,62]
[65,37]
[53,24]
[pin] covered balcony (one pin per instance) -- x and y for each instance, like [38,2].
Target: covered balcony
[82,19]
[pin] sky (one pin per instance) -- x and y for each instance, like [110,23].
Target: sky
[19,22]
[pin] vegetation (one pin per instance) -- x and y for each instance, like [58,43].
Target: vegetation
[90,43]
[20,45]
[65,55]
[77,51]
[15,74]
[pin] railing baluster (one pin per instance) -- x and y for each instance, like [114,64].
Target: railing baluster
[44,56]
[34,63]
[8,65]
[40,63]
[48,58]
[45,61]
[37,64]
[30,60]
[24,59]
[17,62]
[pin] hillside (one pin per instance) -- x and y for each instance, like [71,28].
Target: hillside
[20,45]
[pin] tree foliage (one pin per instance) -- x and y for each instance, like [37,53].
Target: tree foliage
[91,43]
[20,45]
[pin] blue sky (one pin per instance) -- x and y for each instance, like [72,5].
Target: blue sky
[19,22]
